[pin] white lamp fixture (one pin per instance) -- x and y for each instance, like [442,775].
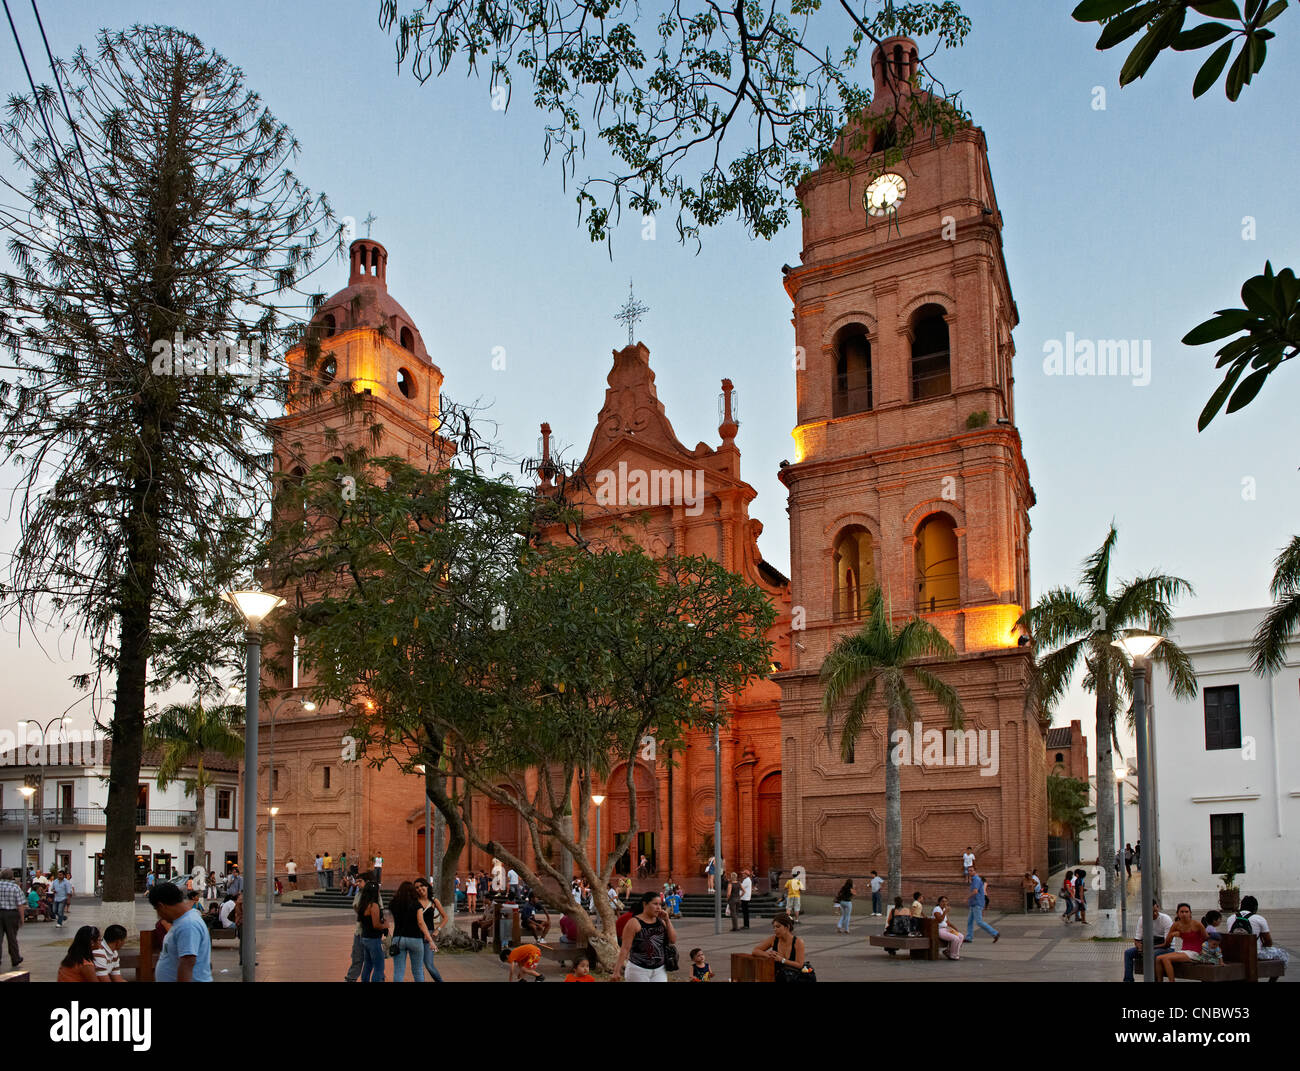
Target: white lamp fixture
[274,811]
[253,606]
[308,705]
[27,792]
[597,800]
[1138,645]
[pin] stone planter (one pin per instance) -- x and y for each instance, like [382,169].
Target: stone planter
[1229,900]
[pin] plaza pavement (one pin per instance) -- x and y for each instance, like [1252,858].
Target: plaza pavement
[314,944]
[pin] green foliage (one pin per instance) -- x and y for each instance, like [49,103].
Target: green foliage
[185,732]
[1067,804]
[661,90]
[1229,875]
[1271,322]
[978,419]
[1280,624]
[1164,22]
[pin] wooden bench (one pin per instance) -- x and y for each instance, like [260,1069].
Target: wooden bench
[1241,963]
[750,968]
[924,946]
[142,960]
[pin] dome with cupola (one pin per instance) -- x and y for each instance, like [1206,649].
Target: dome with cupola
[366,302]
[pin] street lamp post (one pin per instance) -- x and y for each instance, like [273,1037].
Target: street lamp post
[307,705]
[600,862]
[1121,772]
[40,792]
[26,792]
[1139,646]
[254,607]
[717,818]
[270,854]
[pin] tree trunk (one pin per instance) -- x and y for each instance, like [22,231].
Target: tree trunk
[436,788]
[127,736]
[200,826]
[1105,779]
[893,808]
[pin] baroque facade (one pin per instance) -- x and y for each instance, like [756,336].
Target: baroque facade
[907,472]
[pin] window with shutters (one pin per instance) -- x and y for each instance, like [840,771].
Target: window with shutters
[1227,843]
[1222,718]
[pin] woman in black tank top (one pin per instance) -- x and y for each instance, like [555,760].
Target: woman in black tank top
[645,942]
[370,917]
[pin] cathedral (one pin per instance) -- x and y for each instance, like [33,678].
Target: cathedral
[906,472]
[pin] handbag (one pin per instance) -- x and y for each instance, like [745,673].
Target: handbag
[671,961]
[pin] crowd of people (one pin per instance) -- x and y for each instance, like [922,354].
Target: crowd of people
[1185,939]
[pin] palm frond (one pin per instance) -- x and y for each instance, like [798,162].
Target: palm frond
[1059,615]
[945,693]
[1147,600]
[1280,624]
[1096,569]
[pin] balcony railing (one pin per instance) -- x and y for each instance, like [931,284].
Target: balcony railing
[62,817]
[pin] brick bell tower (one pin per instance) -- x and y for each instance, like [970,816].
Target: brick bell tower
[370,347]
[908,473]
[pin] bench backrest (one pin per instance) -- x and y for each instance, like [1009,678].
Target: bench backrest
[1242,948]
[750,968]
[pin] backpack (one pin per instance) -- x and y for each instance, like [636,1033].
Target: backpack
[1241,924]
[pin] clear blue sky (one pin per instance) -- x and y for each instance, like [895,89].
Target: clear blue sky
[1122,223]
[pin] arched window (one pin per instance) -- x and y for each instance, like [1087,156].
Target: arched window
[1060,759]
[852,388]
[938,584]
[405,381]
[408,339]
[329,368]
[855,573]
[931,374]
[329,324]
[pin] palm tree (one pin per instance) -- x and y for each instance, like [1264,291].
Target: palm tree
[1070,627]
[1280,623]
[184,733]
[880,660]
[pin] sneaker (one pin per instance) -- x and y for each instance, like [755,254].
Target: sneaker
[995,937]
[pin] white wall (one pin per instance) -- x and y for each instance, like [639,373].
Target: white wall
[1261,780]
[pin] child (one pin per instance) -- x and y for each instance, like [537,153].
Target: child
[581,971]
[523,963]
[699,969]
[108,963]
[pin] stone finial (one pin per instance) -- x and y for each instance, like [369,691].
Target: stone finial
[546,470]
[730,425]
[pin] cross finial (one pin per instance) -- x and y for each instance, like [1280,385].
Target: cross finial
[370,218]
[631,312]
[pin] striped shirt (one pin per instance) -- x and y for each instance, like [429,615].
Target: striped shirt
[107,962]
[11,896]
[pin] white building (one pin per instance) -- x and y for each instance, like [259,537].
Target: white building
[65,818]
[1228,768]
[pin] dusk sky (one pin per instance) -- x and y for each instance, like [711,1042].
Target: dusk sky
[1122,223]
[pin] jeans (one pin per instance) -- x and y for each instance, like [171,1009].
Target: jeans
[846,914]
[408,948]
[744,910]
[875,903]
[372,959]
[428,964]
[976,918]
[329,879]
[60,911]
[1131,955]
[354,968]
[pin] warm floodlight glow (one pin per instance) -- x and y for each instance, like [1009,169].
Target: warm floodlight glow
[597,800]
[27,792]
[274,811]
[1138,645]
[309,705]
[253,606]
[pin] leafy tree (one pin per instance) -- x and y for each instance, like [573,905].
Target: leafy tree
[159,207]
[1073,627]
[880,662]
[662,90]
[1067,804]
[184,733]
[1271,316]
[1268,649]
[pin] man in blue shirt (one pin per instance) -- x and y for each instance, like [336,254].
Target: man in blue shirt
[61,887]
[187,948]
[976,904]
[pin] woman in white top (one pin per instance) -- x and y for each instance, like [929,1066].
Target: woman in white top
[951,936]
[471,891]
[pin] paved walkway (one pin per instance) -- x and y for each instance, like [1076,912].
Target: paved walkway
[306,944]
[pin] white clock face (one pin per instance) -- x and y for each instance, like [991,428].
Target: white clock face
[884,194]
